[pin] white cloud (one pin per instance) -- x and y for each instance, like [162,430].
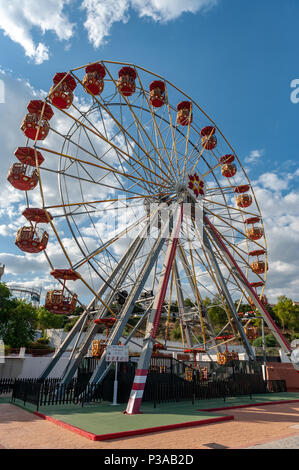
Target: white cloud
[254,155]
[167,10]
[273,181]
[102,14]
[17,19]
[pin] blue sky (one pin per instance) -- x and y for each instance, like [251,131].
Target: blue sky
[235,58]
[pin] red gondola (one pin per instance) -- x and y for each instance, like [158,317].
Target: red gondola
[31,240]
[251,332]
[227,159]
[126,82]
[59,303]
[244,200]
[228,170]
[61,93]
[93,80]
[259,267]
[20,177]
[194,351]
[254,285]
[37,215]
[254,233]
[208,139]
[107,322]
[257,253]
[242,189]
[252,220]
[29,155]
[65,274]
[184,113]
[157,93]
[35,124]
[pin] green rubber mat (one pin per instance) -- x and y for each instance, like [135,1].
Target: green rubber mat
[105,418]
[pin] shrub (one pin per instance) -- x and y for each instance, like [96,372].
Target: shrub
[43,340]
[270,341]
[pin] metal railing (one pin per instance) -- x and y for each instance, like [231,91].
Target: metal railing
[51,392]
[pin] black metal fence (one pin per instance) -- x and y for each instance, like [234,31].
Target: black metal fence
[167,392]
[50,392]
[6,386]
[165,382]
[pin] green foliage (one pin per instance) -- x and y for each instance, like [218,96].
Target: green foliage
[42,340]
[38,345]
[270,341]
[244,307]
[5,299]
[78,310]
[216,312]
[138,309]
[287,313]
[188,302]
[47,320]
[69,325]
[175,333]
[17,323]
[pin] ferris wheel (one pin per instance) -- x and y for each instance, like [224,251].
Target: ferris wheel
[147,202]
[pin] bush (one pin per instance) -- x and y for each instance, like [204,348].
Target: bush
[37,345]
[270,341]
[7,350]
[39,349]
[69,325]
[43,340]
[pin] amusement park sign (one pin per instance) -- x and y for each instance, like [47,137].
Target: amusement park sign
[117,353]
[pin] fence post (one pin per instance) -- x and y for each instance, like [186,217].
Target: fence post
[193,390]
[38,395]
[25,393]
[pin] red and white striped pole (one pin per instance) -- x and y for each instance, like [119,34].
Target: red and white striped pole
[138,387]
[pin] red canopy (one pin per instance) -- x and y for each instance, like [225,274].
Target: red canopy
[26,155]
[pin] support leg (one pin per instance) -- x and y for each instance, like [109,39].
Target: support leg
[137,391]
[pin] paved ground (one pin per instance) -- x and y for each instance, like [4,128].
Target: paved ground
[287,443]
[265,427]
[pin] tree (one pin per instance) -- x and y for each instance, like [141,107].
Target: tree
[286,312]
[216,312]
[69,325]
[270,341]
[188,302]
[78,310]
[46,319]
[5,300]
[18,323]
